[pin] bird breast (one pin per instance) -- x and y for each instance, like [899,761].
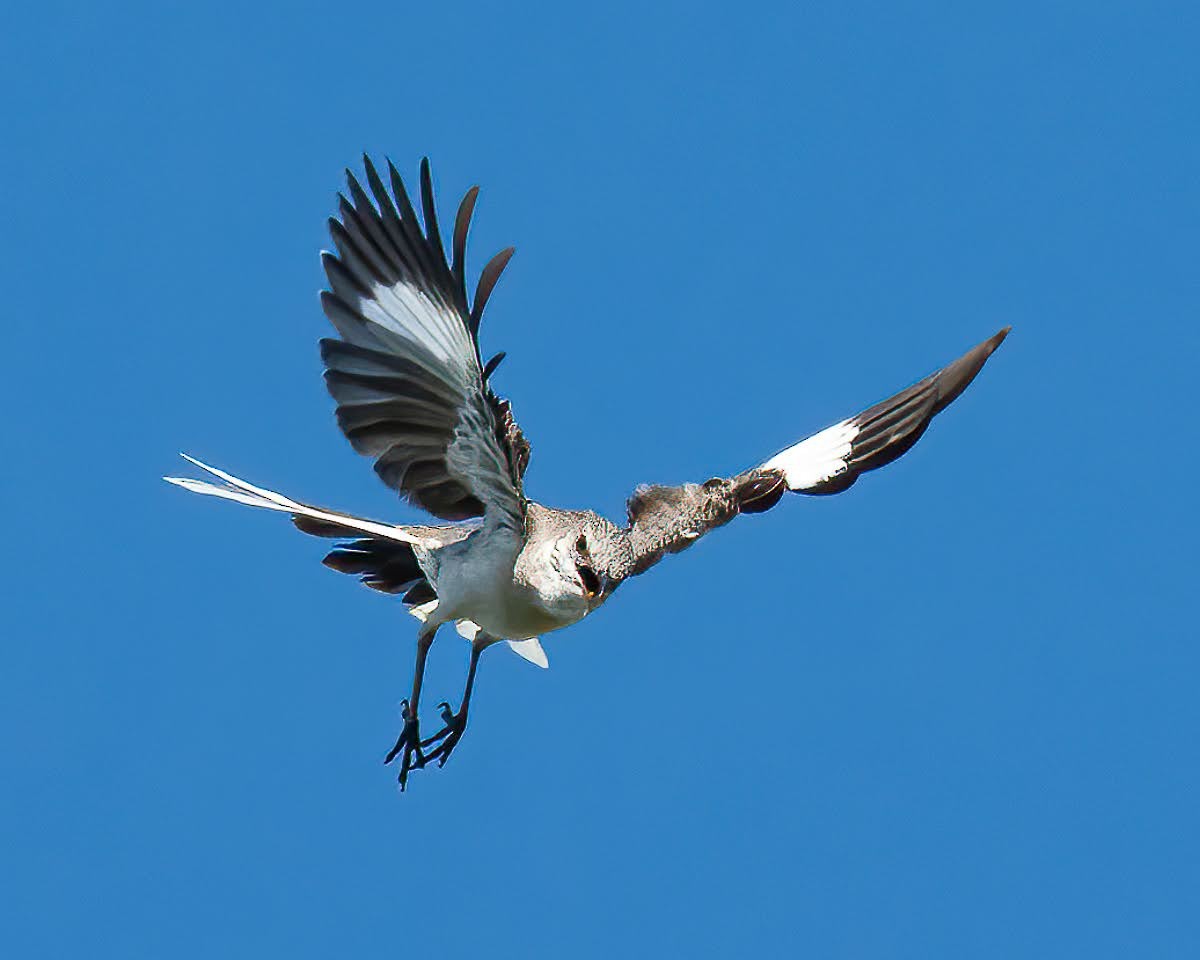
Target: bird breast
[490,580]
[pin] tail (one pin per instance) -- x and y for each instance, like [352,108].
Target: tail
[309,519]
[389,567]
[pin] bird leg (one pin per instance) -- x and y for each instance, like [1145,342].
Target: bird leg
[409,741]
[456,723]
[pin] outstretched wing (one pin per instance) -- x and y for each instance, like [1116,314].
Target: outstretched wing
[666,520]
[407,374]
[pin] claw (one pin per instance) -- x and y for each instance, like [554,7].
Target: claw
[400,740]
[456,724]
[408,743]
[448,719]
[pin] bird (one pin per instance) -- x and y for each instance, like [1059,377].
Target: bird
[413,392]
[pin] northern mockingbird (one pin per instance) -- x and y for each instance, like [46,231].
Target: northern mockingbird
[413,393]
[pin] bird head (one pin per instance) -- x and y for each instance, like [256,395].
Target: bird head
[595,552]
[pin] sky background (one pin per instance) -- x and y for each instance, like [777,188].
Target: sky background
[949,713]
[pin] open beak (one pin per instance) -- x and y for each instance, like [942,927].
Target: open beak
[594,584]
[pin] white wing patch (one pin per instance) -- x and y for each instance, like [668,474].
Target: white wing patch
[407,312]
[820,458]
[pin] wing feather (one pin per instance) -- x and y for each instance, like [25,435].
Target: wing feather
[666,520]
[406,373]
[832,460]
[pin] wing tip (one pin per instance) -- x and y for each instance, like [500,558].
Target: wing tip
[996,339]
[955,377]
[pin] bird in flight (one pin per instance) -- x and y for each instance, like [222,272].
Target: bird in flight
[413,392]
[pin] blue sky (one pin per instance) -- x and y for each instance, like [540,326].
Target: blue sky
[949,713]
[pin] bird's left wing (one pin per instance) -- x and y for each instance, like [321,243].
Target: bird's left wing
[407,374]
[666,520]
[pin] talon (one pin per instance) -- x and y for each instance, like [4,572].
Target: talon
[456,725]
[407,746]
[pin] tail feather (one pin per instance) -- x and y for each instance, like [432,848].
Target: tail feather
[240,491]
[389,567]
[386,567]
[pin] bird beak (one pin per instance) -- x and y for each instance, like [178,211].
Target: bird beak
[592,582]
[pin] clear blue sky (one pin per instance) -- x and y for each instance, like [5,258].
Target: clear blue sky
[950,713]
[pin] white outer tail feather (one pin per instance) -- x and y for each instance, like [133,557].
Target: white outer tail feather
[240,491]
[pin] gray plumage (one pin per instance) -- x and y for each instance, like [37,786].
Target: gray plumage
[413,392]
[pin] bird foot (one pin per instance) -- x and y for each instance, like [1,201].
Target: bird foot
[407,745]
[449,735]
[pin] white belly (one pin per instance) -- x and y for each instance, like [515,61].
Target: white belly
[474,581]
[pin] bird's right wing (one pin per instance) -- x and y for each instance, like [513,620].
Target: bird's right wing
[666,520]
[407,374]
